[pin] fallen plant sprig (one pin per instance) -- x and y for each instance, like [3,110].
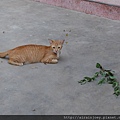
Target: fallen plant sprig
[107,76]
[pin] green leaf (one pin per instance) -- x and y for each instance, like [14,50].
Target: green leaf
[102,73]
[116,88]
[109,81]
[98,66]
[106,74]
[101,81]
[82,82]
[115,84]
[93,78]
[96,74]
[117,92]
[88,79]
[112,77]
[110,73]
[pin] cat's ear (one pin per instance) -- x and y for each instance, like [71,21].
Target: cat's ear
[62,41]
[51,41]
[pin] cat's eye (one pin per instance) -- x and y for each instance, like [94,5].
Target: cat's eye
[58,47]
[53,47]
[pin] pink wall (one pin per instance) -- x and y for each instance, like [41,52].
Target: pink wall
[103,10]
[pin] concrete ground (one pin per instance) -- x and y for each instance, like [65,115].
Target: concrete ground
[38,89]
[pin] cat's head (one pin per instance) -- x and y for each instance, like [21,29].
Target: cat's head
[56,45]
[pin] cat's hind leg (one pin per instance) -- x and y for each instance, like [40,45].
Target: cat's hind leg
[15,61]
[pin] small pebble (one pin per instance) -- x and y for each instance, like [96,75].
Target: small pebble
[33,110]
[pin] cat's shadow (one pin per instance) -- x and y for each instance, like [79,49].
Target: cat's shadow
[62,59]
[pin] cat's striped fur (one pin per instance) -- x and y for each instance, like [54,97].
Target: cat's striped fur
[34,53]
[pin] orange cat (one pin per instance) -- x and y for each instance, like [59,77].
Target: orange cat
[34,53]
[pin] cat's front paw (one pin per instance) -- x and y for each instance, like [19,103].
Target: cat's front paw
[54,61]
[51,61]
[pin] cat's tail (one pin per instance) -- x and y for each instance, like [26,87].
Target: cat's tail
[4,54]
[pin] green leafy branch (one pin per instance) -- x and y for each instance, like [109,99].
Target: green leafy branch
[107,76]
